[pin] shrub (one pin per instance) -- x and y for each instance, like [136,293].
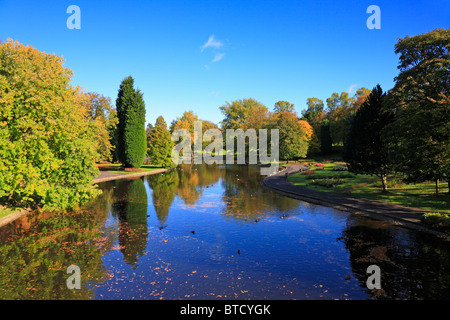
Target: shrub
[308,172]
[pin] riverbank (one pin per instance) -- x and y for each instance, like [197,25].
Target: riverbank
[14,214]
[108,175]
[11,214]
[396,214]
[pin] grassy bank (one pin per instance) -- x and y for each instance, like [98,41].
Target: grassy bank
[117,168]
[322,177]
[5,211]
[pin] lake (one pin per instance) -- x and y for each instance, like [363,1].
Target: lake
[213,232]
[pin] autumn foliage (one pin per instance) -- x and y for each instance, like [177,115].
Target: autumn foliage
[47,146]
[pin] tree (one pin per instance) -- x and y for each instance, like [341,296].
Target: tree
[47,148]
[306,127]
[160,144]
[131,136]
[282,106]
[100,110]
[420,99]
[293,135]
[361,95]
[148,132]
[187,121]
[326,145]
[339,108]
[364,149]
[244,114]
[314,114]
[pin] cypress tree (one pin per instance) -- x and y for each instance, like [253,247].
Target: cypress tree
[131,136]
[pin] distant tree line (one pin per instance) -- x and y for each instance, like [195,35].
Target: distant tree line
[52,133]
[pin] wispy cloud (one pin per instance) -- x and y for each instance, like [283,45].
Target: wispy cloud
[214,94]
[218,57]
[211,43]
[352,88]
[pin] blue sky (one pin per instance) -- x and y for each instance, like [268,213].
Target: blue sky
[196,55]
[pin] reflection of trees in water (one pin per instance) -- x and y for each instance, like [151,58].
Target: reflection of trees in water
[193,179]
[131,209]
[187,181]
[245,198]
[164,186]
[413,265]
[40,247]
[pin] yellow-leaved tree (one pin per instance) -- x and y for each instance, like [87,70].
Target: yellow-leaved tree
[47,147]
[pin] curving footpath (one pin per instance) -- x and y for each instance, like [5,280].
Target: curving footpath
[109,176]
[397,214]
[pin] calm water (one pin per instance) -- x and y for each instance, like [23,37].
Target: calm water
[212,232]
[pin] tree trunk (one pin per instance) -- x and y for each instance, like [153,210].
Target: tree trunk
[448,186]
[384,182]
[437,186]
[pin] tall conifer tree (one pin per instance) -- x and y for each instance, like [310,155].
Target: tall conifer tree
[131,136]
[364,149]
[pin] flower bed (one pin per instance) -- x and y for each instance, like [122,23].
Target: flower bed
[318,164]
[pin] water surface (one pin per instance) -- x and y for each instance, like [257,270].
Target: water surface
[212,232]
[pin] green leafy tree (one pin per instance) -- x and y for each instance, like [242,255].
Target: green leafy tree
[293,138]
[160,144]
[364,149]
[100,110]
[283,106]
[131,136]
[47,148]
[339,108]
[314,114]
[244,114]
[420,134]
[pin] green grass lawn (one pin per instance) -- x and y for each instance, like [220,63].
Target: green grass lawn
[420,195]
